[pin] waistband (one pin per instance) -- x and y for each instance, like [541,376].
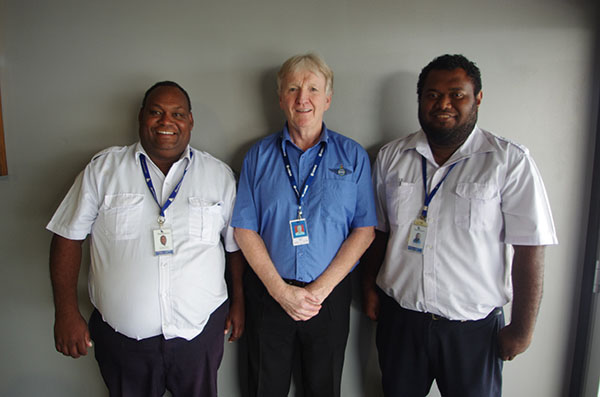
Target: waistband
[436,317]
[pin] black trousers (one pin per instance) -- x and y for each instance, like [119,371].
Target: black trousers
[272,336]
[415,348]
[149,367]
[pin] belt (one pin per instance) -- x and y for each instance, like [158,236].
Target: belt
[296,283]
[497,311]
[435,317]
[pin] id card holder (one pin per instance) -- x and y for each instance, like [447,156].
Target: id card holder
[163,241]
[299,232]
[416,236]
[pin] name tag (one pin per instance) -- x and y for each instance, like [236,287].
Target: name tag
[163,241]
[299,231]
[416,237]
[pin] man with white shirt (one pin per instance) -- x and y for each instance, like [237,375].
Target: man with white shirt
[454,203]
[158,214]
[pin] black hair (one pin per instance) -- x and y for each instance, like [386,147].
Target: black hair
[167,84]
[451,62]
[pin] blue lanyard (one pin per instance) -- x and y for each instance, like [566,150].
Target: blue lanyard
[309,179]
[429,196]
[163,208]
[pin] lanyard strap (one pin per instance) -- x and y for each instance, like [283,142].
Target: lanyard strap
[309,179]
[429,196]
[163,208]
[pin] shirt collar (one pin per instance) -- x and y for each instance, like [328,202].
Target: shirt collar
[285,136]
[476,143]
[139,149]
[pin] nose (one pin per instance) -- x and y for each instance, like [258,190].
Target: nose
[444,102]
[302,95]
[165,118]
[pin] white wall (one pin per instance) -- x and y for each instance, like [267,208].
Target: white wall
[72,73]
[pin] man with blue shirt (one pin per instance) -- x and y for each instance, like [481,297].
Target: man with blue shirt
[303,217]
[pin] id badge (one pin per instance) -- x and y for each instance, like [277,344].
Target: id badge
[299,231]
[416,237]
[163,241]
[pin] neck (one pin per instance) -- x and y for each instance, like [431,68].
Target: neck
[441,154]
[304,139]
[163,164]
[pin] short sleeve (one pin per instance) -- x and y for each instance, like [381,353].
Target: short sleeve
[365,214]
[79,209]
[380,195]
[525,205]
[244,212]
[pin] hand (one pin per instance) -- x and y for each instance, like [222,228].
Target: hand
[319,291]
[71,335]
[512,342]
[298,303]
[236,320]
[371,303]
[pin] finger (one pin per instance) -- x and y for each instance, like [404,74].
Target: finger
[235,334]
[81,347]
[227,326]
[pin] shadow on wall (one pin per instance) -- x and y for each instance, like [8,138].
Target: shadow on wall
[397,109]
[273,116]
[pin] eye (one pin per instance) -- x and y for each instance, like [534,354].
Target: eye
[178,115]
[314,89]
[458,95]
[154,113]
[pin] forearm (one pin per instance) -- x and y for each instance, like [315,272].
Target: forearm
[65,261]
[237,265]
[349,253]
[373,259]
[297,302]
[527,278]
[255,252]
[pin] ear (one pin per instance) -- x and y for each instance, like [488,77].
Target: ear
[478,98]
[191,116]
[328,102]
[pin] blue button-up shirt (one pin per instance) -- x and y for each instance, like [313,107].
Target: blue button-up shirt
[339,199]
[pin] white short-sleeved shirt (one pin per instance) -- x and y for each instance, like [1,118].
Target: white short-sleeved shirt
[138,293]
[494,197]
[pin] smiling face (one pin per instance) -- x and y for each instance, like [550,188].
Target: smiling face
[448,107]
[304,99]
[165,125]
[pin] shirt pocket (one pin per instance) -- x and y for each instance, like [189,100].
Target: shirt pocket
[398,199]
[206,220]
[121,214]
[339,200]
[476,205]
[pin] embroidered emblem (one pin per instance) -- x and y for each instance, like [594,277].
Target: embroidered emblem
[341,171]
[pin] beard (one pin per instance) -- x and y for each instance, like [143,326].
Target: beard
[448,136]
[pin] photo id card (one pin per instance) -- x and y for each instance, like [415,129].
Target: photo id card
[416,237]
[163,241]
[299,231]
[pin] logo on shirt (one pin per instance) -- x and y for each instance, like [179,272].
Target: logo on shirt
[341,171]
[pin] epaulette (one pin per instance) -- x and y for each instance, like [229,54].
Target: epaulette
[108,150]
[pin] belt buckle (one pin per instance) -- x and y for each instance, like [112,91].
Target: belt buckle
[434,317]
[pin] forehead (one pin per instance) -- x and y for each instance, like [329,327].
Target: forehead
[455,79]
[303,75]
[167,96]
